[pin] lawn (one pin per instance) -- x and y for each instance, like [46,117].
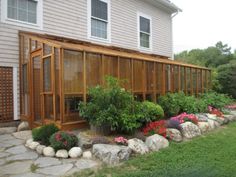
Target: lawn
[211,155]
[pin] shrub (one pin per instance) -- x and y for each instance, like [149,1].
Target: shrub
[227,78]
[63,140]
[184,117]
[111,105]
[157,127]
[216,100]
[42,134]
[150,112]
[171,103]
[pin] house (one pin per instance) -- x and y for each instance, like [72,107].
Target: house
[52,51]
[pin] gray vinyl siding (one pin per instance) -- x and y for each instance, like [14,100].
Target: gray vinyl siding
[69,19]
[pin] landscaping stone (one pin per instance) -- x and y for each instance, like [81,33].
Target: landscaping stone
[202,117]
[49,152]
[174,134]
[75,152]
[7,130]
[82,164]
[111,154]
[6,137]
[39,149]
[190,130]
[24,135]
[87,155]
[4,154]
[2,161]
[156,142]
[55,170]
[24,156]
[23,126]
[211,116]
[138,146]
[46,162]
[17,150]
[85,143]
[28,142]
[29,175]
[212,124]
[62,153]
[229,117]
[33,145]
[10,143]
[204,126]
[16,168]
[221,121]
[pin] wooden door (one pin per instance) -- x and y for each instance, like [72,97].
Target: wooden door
[6,94]
[35,88]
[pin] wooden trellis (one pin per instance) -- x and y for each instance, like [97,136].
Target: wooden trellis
[6,94]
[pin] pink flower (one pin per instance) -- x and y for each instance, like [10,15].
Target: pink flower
[121,140]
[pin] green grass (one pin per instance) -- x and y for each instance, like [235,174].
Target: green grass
[212,155]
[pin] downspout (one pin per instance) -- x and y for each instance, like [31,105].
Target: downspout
[172,16]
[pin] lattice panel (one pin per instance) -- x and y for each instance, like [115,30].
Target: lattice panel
[6,94]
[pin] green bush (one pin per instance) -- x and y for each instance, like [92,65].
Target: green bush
[176,103]
[42,134]
[63,140]
[150,112]
[227,79]
[112,106]
[171,103]
[215,99]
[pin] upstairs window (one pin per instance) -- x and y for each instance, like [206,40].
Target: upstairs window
[22,10]
[27,13]
[99,19]
[145,36]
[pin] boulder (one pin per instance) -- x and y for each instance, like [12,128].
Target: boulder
[202,117]
[75,152]
[156,142]
[230,117]
[33,145]
[23,126]
[137,146]
[40,148]
[190,130]
[212,124]
[49,152]
[111,154]
[211,116]
[87,155]
[62,154]
[204,126]
[174,134]
[28,142]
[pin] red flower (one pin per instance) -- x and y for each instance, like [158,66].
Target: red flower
[158,127]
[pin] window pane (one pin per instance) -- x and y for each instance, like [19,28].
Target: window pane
[22,4]
[47,74]
[73,71]
[99,9]
[99,29]
[48,106]
[144,25]
[12,3]
[12,13]
[32,17]
[22,15]
[32,6]
[144,40]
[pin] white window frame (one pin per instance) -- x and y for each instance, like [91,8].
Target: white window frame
[89,15]
[38,25]
[141,48]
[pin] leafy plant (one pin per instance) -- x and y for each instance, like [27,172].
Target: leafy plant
[216,100]
[63,140]
[42,134]
[111,105]
[150,112]
[157,127]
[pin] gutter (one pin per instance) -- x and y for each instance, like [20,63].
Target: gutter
[170,5]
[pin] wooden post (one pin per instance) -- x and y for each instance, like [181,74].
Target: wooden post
[163,79]
[84,78]
[155,82]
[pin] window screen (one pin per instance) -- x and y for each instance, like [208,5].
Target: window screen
[22,10]
[99,19]
[145,32]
